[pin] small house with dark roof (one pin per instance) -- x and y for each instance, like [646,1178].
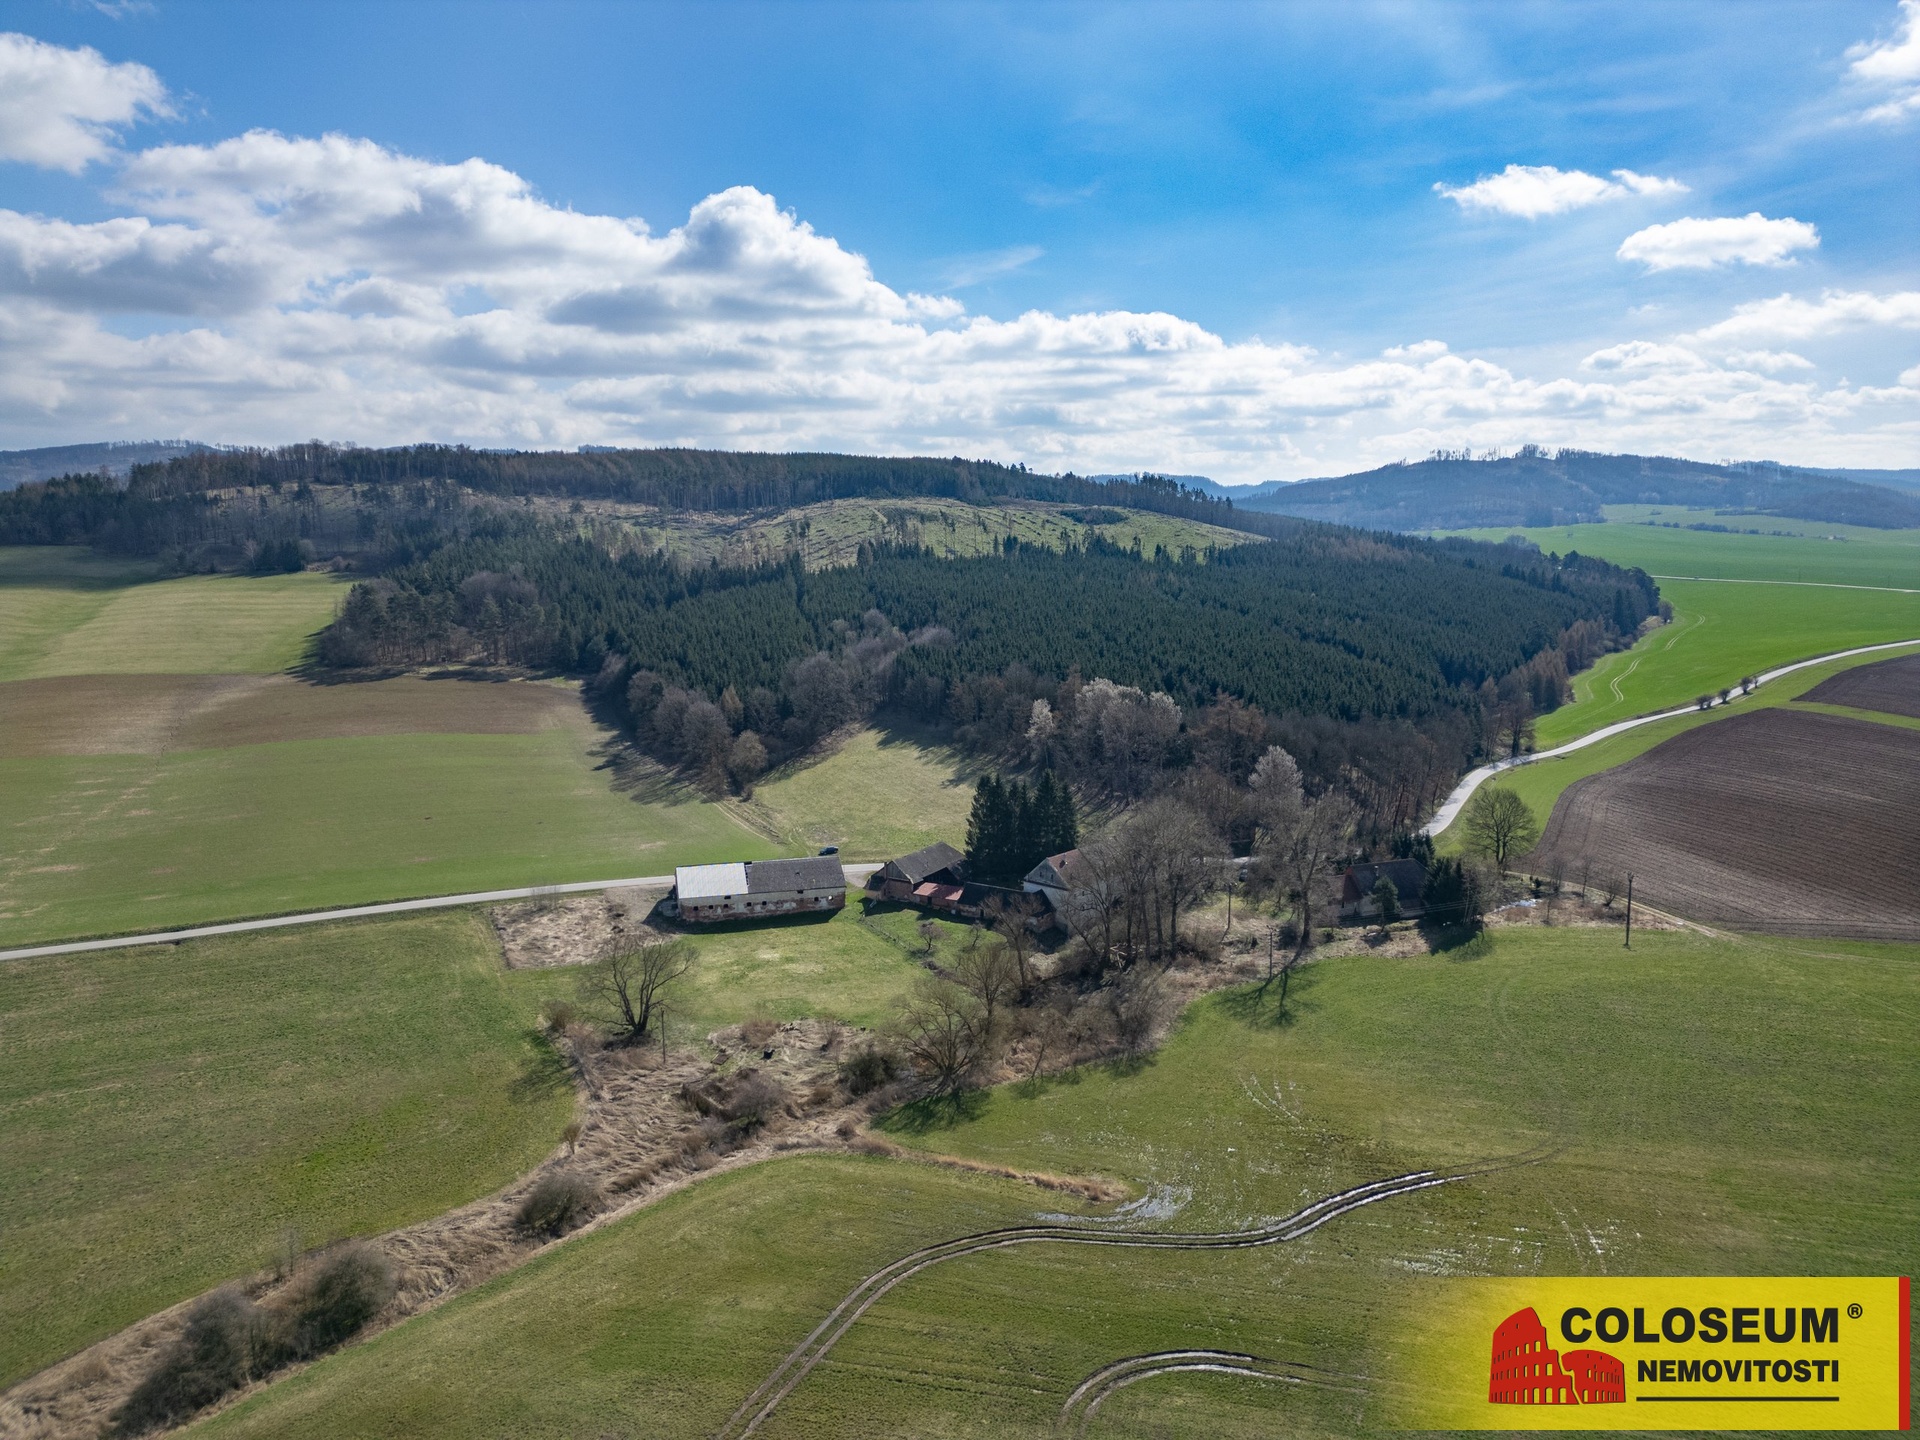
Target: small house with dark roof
[703,894]
[1356,889]
[939,864]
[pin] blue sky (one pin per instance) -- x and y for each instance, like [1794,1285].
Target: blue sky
[1260,179]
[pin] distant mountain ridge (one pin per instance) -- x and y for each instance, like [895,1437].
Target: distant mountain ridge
[117,457]
[1536,488]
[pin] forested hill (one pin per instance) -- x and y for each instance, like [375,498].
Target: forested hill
[1325,622]
[713,481]
[1567,487]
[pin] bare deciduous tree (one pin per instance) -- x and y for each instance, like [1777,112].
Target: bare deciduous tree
[1499,824]
[1008,920]
[943,1034]
[635,980]
[1300,846]
[986,971]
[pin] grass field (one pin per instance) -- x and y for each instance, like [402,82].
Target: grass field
[1855,555]
[166,1114]
[1719,633]
[1691,1084]
[877,796]
[66,612]
[839,968]
[1540,783]
[99,844]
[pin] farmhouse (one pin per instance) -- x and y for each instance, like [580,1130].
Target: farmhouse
[705,893]
[1356,888]
[1053,877]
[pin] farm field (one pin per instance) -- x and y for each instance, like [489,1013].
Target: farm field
[1719,633]
[1778,818]
[831,533]
[155,770]
[878,795]
[70,613]
[1683,1083]
[101,844]
[1542,782]
[1854,555]
[1892,686]
[168,1114]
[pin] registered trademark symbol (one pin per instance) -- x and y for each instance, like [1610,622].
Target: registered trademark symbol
[1853,1312]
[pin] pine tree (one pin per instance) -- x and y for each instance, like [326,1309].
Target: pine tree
[1056,826]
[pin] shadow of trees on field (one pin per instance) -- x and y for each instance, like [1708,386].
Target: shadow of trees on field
[935,1112]
[544,1071]
[1458,941]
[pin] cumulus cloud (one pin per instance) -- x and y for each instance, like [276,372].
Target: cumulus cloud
[1730,240]
[1890,69]
[334,287]
[1787,317]
[59,108]
[1531,191]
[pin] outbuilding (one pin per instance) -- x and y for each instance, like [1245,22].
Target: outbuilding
[1054,877]
[939,864]
[736,891]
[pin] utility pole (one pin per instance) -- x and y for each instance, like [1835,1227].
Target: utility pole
[1629,944]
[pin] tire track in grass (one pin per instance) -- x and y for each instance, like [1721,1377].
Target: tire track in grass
[811,1351]
[1104,1383]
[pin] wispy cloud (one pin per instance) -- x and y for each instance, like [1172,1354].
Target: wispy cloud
[1729,240]
[1787,317]
[1890,69]
[1531,191]
[1056,197]
[960,271]
[59,108]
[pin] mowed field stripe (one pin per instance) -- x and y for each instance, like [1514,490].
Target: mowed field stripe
[856,874]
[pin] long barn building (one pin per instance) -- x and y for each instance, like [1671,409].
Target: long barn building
[736,891]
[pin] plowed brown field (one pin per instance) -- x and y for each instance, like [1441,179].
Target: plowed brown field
[1787,821]
[1891,686]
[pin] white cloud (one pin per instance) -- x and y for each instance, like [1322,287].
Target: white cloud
[1702,244]
[1890,69]
[1531,191]
[332,287]
[1786,317]
[59,107]
[1770,361]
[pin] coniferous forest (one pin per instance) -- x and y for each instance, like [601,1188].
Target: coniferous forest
[1384,663]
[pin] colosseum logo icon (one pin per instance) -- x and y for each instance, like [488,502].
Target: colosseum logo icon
[1527,1371]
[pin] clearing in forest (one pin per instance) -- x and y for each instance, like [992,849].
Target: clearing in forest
[1775,819]
[877,794]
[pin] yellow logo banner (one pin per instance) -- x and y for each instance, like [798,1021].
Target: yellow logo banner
[1673,1353]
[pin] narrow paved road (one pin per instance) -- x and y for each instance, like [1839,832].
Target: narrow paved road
[856,875]
[1463,792]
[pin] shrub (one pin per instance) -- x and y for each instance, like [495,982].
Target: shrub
[757,1100]
[225,1345]
[559,1201]
[867,1069]
[334,1299]
[759,1030]
[556,1016]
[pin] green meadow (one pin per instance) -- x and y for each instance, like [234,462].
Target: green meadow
[68,612]
[170,1115]
[1683,1097]
[1719,633]
[99,844]
[876,796]
[1802,551]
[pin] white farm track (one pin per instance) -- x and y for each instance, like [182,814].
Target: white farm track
[758,1406]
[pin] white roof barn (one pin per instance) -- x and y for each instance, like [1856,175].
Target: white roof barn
[710,882]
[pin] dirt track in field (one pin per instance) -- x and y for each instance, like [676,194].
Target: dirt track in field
[155,714]
[1785,821]
[1891,687]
